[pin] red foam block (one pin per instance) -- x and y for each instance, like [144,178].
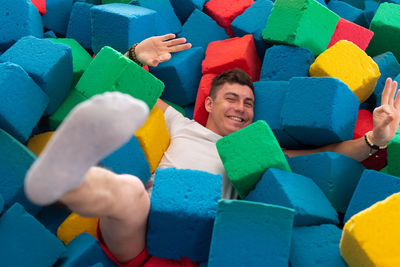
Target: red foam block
[200,113]
[364,123]
[225,11]
[238,52]
[347,30]
[40,5]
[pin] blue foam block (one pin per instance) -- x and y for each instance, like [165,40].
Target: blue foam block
[168,19]
[295,191]
[129,159]
[370,9]
[282,62]
[356,3]
[253,21]
[53,216]
[348,12]
[80,25]
[251,234]
[121,25]
[1,203]
[84,250]
[15,160]
[189,110]
[57,15]
[49,34]
[269,98]
[48,63]
[18,18]
[336,174]
[373,187]
[200,30]
[22,102]
[183,8]
[183,208]
[25,242]
[316,246]
[181,76]
[319,111]
[388,67]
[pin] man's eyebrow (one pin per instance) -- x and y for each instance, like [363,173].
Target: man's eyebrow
[231,93]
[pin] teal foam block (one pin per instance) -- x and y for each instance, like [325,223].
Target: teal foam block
[15,160]
[84,250]
[49,64]
[57,15]
[251,234]
[336,174]
[182,213]
[316,246]
[183,8]
[348,12]
[26,242]
[80,25]
[53,216]
[297,192]
[22,102]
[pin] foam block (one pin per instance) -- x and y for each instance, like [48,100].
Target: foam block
[128,159]
[1,204]
[351,65]
[393,156]
[22,102]
[245,167]
[336,174]
[154,137]
[181,76]
[316,246]
[40,5]
[183,8]
[80,25]
[367,241]
[269,99]
[386,26]
[200,113]
[297,192]
[80,57]
[52,216]
[370,7]
[121,25]
[347,30]
[240,232]
[182,213]
[178,108]
[33,245]
[356,3]
[224,12]
[74,225]
[57,15]
[15,160]
[282,62]
[319,111]
[200,30]
[253,21]
[49,34]
[298,15]
[348,12]
[85,250]
[233,53]
[364,123]
[111,71]
[373,187]
[74,98]
[19,18]
[38,142]
[49,64]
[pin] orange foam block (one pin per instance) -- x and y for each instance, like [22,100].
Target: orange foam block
[200,113]
[238,52]
[347,30]
[225,11]
[75,225]
[40,5]
[38,142]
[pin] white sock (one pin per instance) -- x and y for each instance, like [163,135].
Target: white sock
[91,131]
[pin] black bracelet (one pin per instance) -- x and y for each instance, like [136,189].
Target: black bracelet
[132,55]
[371,145]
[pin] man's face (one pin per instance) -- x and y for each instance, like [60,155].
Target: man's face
[231,110]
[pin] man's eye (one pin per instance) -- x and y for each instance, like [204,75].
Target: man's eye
[250,105]
[230,99]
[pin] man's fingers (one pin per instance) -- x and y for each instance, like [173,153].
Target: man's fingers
[175,42]
[386,92]
[396,103]
[392,93]
[167,37]
[179,48]
[164,57]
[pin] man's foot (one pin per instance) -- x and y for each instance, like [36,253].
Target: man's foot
[92,130]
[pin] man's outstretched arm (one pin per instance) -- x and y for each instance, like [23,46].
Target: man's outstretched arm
[386,120]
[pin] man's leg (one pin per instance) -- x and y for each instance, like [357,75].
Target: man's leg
[64,171]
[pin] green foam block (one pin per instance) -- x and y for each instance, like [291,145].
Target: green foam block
[247,153]
[80,57]
[304,23]
[112,71]
[386,27]
[393,156]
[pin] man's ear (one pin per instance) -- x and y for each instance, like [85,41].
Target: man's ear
[208,103]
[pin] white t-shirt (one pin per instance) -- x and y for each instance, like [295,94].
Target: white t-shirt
[193,147]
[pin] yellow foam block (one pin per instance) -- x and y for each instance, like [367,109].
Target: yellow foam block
[153,137]
[371,237]
[347,62]
[75,225]
[38,142]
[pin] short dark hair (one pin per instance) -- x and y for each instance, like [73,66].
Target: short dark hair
[231,76]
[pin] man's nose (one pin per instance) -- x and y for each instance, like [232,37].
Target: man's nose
[239,106]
